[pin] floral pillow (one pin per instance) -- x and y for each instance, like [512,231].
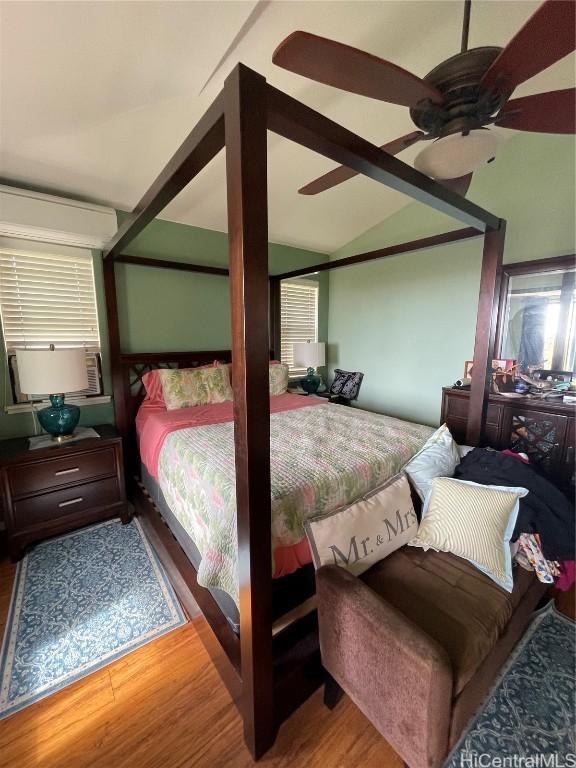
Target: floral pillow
[153,384]
[187,387]
[278,378]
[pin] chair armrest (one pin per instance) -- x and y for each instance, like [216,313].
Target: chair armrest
[394,672]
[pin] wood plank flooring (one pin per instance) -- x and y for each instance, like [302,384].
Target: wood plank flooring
[164,706]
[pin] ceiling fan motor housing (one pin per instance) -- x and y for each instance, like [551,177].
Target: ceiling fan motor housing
[466,107]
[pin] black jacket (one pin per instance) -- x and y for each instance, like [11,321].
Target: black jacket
[545,510]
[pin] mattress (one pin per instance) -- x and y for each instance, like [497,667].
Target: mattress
[287,592]
[322,458]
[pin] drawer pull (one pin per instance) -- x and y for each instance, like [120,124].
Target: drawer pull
[72,501]
[66,471]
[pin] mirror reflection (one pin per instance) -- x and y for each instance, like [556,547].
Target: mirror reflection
[539,328]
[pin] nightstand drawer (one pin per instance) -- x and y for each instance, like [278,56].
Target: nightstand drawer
[53,473]
[66,502]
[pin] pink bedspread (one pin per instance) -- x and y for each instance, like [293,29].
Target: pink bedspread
[154,422]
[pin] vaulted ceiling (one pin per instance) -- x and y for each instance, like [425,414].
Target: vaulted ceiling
[96,96]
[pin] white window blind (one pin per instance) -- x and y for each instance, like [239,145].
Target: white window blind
[48,298]
[299,317]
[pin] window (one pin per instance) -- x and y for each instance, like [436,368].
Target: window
[299,311]
[47,297]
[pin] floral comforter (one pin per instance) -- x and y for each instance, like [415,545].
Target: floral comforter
[322,458]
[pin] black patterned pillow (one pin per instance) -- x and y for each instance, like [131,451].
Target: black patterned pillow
[346,383]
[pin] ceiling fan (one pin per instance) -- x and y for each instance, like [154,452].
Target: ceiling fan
[455,102]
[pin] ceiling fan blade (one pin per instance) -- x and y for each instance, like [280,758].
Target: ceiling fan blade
[343,173]
[459,185]
[351,69]
[548,36]
[551,112]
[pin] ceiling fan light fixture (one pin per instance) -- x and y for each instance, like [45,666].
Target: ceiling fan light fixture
[457,155]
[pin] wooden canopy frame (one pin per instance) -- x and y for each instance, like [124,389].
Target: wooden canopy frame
[238,120]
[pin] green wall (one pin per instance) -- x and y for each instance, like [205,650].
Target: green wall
[408,321]
[167,310]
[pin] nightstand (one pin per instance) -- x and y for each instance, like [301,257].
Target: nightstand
[47,491]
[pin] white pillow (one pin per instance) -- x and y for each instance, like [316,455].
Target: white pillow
[438,458]
[357,536]
[473,521]
[464,450]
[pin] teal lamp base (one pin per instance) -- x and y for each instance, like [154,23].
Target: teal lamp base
[59,419]
[311,382]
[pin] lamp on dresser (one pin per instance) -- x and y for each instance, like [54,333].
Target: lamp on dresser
[309,355]
[55,372]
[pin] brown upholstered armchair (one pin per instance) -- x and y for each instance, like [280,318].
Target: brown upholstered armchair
[417,641]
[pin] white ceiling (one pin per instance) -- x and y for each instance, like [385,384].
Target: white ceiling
[96,96]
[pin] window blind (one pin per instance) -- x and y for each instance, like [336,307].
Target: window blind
[299,317]
[48,298]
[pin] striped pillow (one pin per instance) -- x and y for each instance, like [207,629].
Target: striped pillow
[473,521]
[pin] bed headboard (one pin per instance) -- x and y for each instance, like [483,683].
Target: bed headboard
[129,391]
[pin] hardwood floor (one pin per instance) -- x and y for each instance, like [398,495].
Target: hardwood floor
[164,706]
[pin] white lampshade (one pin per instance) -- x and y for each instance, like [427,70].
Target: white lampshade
[309,354]
[51,371]
[457,155]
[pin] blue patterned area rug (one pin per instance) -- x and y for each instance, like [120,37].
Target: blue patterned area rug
[80,601]
[529,719]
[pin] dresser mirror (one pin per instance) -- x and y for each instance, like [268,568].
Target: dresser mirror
[537,315]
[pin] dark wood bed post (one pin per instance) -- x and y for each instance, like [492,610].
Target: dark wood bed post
[246,174]
[119,383]
[486,320]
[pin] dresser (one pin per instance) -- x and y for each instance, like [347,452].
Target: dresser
[543,430]
[48,491]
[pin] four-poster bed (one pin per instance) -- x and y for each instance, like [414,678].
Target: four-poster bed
[268,675]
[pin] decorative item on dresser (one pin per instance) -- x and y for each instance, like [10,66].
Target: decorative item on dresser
[545,430]
[310,355]
[62,487]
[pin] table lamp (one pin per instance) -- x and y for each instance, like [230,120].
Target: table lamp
[309,354]
[55,372]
